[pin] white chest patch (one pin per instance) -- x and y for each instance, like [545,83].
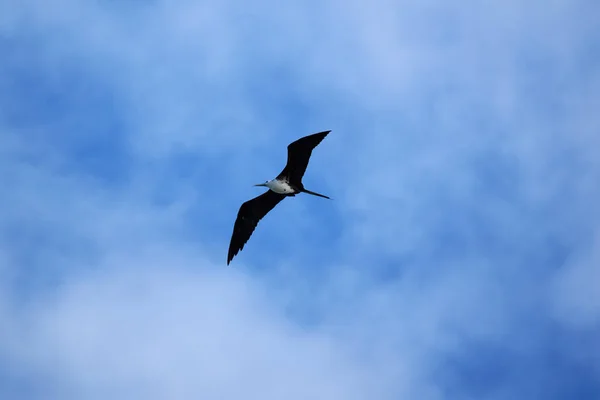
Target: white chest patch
[280,187]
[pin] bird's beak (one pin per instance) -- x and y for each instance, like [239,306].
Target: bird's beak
[260,184]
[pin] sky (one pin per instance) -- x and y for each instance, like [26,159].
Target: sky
[459,257]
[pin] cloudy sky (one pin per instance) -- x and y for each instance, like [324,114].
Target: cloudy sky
[458,259]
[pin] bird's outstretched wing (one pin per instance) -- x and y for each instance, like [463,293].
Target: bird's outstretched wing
[250,213]
[299,153]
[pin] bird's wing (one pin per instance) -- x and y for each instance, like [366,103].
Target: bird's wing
[299,153]
[250,213]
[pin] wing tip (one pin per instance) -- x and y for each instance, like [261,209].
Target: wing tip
[323,134]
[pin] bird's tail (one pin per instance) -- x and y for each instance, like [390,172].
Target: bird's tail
[315,194]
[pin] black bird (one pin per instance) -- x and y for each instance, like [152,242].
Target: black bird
[287,183]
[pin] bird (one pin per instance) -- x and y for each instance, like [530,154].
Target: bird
[287,184]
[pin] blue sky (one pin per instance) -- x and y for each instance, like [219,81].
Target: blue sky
[459,259]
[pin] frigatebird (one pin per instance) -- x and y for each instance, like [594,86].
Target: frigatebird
[287,184]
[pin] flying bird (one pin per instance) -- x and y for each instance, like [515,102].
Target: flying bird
[287,183]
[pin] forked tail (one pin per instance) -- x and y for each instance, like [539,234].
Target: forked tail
[315,194]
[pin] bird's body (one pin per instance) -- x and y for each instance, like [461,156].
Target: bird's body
[281,186]
[287,183]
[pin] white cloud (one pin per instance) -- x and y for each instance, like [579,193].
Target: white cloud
[171,333]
